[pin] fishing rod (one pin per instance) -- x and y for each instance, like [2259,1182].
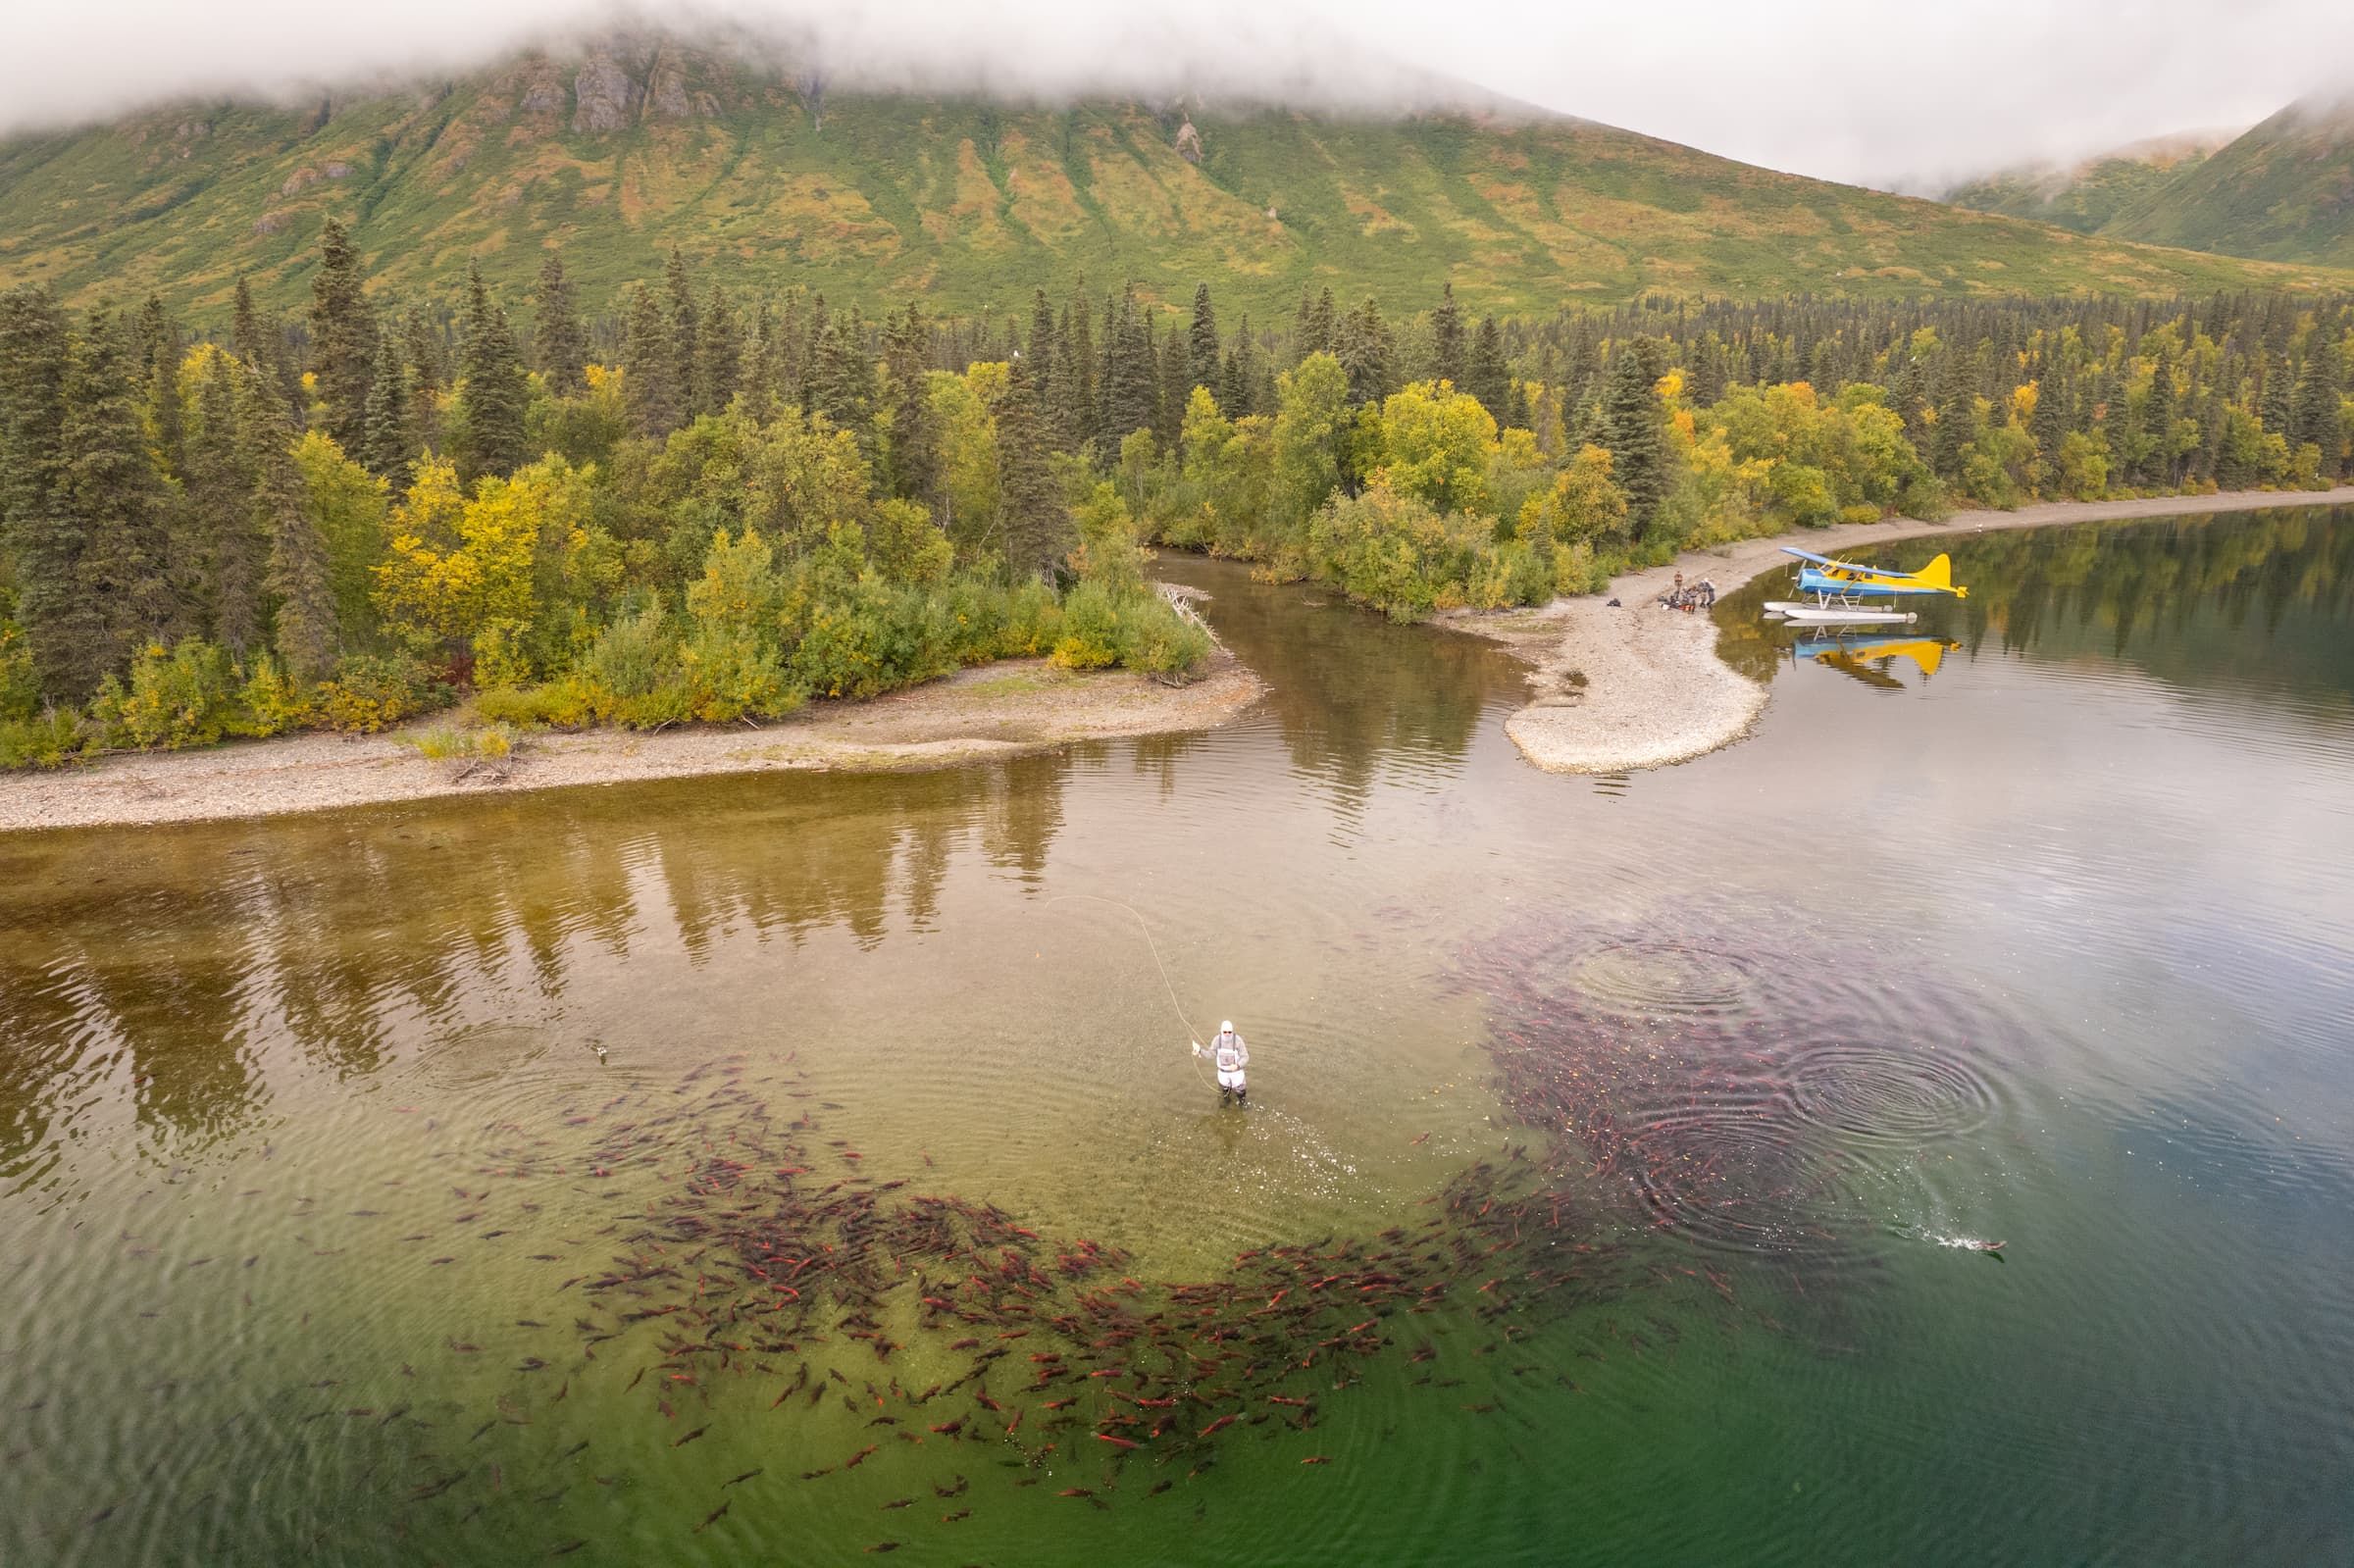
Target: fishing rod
[1191,1033]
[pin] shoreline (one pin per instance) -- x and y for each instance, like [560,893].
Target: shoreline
[1006,709]
[1638,687]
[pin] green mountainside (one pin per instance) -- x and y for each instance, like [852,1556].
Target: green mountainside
[620,151]
[2283,191]
[2085,196]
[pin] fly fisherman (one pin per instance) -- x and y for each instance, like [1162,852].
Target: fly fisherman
[1231,1056]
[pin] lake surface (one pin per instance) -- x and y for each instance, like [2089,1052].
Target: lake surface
[1598,1199]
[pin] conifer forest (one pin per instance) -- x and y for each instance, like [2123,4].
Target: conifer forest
[680,505]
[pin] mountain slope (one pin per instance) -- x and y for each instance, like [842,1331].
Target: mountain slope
[623,150]
[2283,191]
[2086,195]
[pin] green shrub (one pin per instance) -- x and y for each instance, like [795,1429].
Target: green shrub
[663,705]
[20,684]
[982,621]
[1389,550]
[1512,572]
[447,743]
[1576,571]
[633,659]
[729,674]
[373,691]
[268,703]
[1091,628]
[565,703]
[185,697]
[881,639]
[503,660]
[1159,642]
[48,739]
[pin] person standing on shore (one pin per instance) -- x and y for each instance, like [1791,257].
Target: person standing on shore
[1230,1056]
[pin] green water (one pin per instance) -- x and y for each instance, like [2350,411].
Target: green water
[309,1167]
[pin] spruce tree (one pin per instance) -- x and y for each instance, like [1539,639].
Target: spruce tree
[2047,425]
[1312,332]
[841,384]
[1042,348]
[421,340]
[1707,372]
[1952,433]
[42,545]
[1203,351]
[822,360]
[2276,400]
[1032,516]
[1361,343]
[720,343]
[114,497]
[559,343]
[228,550]
[1075,384]
[762,366]
[421,349]
[916,434]
[1447,340]
[2315,415]
[385,450]
[34,343]
[342,337]
[1486,376]
[1107,349]
[649,381]
[1176,389]
[297,573]
[685,342]
[1631,423]
[1131,387]
[245,328]
[158,351]
[493,385]
[1050,373]
[1241,397]
[799,333]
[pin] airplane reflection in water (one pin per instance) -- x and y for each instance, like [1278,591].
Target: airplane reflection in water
[1870,659]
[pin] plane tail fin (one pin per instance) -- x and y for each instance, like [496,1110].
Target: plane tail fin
[1939,574]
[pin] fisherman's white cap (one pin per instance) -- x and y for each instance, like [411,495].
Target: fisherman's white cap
[1225,1025]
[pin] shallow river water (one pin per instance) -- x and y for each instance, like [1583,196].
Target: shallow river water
[595,1174]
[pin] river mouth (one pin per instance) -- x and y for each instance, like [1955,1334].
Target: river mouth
[1603,1148]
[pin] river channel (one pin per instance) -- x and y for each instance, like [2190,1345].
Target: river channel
[792,1168]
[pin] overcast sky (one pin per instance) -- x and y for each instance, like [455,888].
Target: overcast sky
[1870,91]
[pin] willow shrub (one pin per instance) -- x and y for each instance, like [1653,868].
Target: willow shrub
[20,682]
[48,739]
[1133,628]
[861,641]
[878,638]
[1163,643]
[185,696]
[1401,555]
[988,621]
[272,702]
[372,691]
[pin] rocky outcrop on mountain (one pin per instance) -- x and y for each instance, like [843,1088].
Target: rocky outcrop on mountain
[603,97]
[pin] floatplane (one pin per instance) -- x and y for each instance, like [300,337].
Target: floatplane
[1841,587]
